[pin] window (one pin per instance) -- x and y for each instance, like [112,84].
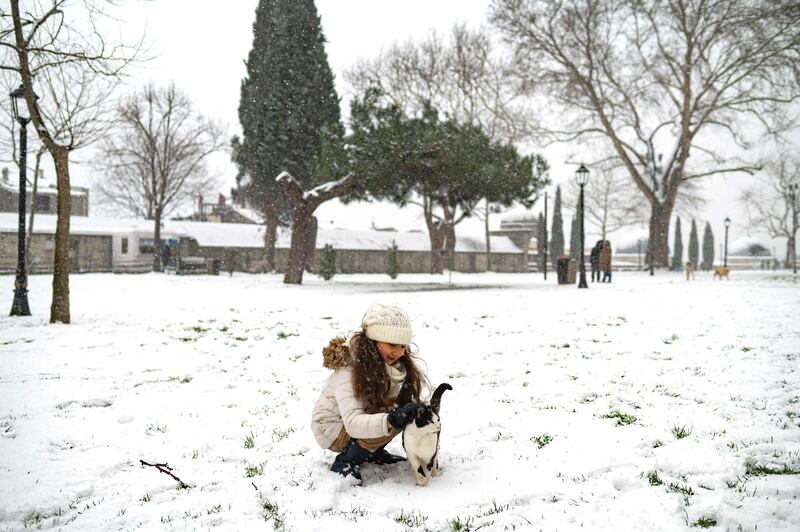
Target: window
[147,245]
[124,246]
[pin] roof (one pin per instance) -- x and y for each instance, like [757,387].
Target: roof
[208,234]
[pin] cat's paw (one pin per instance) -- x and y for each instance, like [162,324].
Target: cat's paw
[422,480]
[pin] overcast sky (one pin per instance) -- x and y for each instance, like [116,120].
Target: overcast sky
[202,46]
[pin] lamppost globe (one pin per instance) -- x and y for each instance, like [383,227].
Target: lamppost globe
[727,222]
[581,177]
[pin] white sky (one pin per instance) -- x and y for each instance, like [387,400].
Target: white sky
[202,47]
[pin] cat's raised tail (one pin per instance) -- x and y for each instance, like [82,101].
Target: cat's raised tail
[436,399]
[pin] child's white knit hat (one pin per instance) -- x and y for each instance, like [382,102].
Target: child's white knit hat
[385,323]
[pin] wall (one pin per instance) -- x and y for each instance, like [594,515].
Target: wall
[89,253]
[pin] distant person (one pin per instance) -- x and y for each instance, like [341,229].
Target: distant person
[594,260]
[605,261]
[372,394]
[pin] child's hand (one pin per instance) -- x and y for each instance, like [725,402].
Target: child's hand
[402,416]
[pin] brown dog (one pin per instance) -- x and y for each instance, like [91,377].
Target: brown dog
[721,271]
[689,269]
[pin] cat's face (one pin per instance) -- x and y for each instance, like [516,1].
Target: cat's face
[426,418]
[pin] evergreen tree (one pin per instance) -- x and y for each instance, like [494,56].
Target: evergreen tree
[557,231]
[677,249]
[708,248]
[541,242]
[327,262]
[694,246]
[392,265]
[288,102]
[575,236]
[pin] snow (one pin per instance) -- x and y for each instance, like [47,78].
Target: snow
[183,370]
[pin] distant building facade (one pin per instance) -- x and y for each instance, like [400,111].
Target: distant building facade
[219,212]
[46,198]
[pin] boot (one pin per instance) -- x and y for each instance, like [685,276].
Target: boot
[382,456]
[348,462]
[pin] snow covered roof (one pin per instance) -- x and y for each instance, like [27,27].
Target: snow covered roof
[209,234]
[14,187]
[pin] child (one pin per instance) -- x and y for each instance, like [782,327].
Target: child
[372,393]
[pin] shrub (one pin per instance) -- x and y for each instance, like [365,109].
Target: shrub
[327,262]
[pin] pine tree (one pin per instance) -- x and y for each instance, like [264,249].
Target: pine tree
[557,231]
[392,265]
[708,248]
[541,242]
[694,246]
[327,262]
[677,249]
[288,102]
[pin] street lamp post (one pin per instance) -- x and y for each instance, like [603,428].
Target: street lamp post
[727,225]
[545,237]
[20,305]
[581,177]
[639,254]
[793,190]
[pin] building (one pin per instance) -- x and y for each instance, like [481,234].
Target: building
[46,197]
[119,245]
[219,212]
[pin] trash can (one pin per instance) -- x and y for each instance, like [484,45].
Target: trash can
[562,267]
[572,269]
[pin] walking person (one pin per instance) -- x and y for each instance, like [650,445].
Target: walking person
[594,260]
[605,261]
[372,394]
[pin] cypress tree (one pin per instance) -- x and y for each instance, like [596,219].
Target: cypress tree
[694,246]
[557,231]
[574,236]
[677,254]
[541,242]
[708,248]
[288,101]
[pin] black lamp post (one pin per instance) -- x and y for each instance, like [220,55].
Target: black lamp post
[727,225]
[639,254]
[793,197]
[20,305]
[581,177]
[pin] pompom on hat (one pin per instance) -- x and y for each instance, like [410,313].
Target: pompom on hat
[384,323]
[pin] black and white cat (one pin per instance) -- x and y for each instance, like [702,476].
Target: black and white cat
[421,438]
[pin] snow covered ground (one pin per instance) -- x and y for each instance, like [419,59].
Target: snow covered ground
[646,404]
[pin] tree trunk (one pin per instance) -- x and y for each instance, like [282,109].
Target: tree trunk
[157,242]
[790,253]
[437,234]
[59,308]
[311,244]
[270,237]
[658,238]
[39,154]
[301,222]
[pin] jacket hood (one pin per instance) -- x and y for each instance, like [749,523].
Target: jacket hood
[336,354]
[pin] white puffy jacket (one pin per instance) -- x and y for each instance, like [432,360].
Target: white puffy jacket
[338,407]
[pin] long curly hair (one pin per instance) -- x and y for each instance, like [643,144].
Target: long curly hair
[371,383]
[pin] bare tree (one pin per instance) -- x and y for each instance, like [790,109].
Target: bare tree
[79,67]
[156,157]
[691,78]
[611,201]
[769,205]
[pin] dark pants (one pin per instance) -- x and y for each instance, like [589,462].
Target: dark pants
[595,272]
[606,276]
